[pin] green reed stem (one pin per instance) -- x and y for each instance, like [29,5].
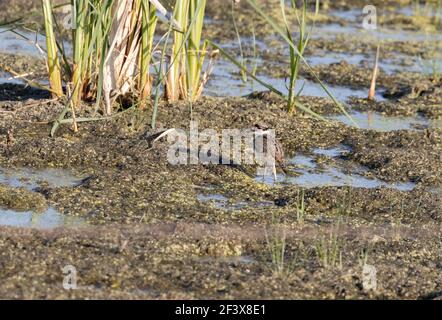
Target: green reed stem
[149,21]
[52,52]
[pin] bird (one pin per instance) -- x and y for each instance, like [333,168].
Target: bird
[280,161]
[152,137]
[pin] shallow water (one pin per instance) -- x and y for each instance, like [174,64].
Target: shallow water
[223,84]
[310,175]
[47,220]
[400,63]
[234,260]
[25,43]
[31,178]
[7,78]
[377,121]
[384,34]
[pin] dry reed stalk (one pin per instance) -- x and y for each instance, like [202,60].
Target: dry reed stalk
[120,65]
[372,91]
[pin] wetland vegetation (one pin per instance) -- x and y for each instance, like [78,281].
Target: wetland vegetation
[89,97]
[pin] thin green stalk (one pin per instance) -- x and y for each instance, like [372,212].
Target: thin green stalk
[149,21]
[292,45]
[178,54]
[302,44]
[51,44]
[79,35]
[196,53]
[238,36]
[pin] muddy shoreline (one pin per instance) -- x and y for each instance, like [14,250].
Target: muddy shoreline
[137,227]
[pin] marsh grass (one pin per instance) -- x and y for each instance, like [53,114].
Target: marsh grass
[185,78]
[297,58]
[429,9]
[149,22]
[53,62]
[113,49]
[329,251]
[303,39]
[276,238]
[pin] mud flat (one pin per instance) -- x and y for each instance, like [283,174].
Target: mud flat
[137,227]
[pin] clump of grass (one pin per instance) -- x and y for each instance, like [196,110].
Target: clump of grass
[430,9]
[185,79]
[298,52]
[53,62]
[329,252]
[276,238]
[345,204]
[363,257]
[297,56]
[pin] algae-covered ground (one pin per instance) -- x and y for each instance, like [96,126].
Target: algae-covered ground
[135,226]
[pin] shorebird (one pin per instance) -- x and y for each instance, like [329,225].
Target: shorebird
[280,161]
[152,137]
